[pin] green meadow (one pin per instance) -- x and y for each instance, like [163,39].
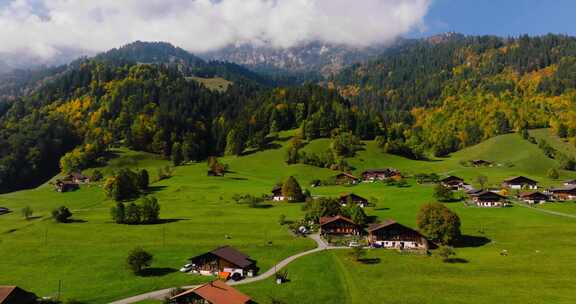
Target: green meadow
[199,214]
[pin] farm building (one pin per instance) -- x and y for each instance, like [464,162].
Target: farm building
[571,182]
[215,292]
[393,235]
[453,182]
[534,197]
[223,259]
[277,194]
[65,186]
[77,178]
[346,179]
[564,194]
[338,225]
[16,295]
[480,163]
[346,198]
[372,175]
[520,182]
[488,199]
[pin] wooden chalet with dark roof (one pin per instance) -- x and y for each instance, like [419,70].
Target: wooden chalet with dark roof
[346,179]
[16,295]
[564,194]
[453,182]
[534,197]
[372,175]
[347,198]
[77,177]
[277,193]
[393,235]
[224,259]
[215,292]
[520,182]
[65,186]
[480,163]
[488,199]
[338,225]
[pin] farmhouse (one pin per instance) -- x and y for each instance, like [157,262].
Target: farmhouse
[65,186]
[346,198]
[277,194]
[453,182]
[4,210]
[564,194]
[480,163]
[380,174]
[534,197]
[338,225]
[215,292]
[520,182]
[16,295]
[346,179]
[393,235]
[77,178]
[488,199]
[223,259]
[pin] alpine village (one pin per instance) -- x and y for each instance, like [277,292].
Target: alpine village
[434,169]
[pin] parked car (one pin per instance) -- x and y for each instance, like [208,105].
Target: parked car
[186,268]
[353,244]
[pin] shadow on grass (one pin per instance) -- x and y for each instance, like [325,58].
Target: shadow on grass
[456,261]
[167,221]
[157,271]
[370,261]
[75,221]
[238,178]
[382,209]
[262,206]
[472,241]
[371,219]
[154,189]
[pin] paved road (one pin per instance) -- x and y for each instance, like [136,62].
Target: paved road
[161,294]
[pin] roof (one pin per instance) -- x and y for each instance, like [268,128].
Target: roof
[329,219]
[569,188]
[232,255]
[5,291]
[346,195]
[519,179]
[532,194]
[486,192]
[379,226]
[451,178]
[217,292]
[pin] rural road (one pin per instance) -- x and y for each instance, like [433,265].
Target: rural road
[161,294]
[546,211]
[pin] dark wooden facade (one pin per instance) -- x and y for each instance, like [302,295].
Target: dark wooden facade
[347,198]
[488,199]
[564,194]
[338,225]
[520,182]
[391,234]
[380,174]
[534,197]
[223,259]
[346,179]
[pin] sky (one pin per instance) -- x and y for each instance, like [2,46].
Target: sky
[50,28]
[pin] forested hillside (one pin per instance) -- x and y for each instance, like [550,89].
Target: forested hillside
[457,91]
[147,105]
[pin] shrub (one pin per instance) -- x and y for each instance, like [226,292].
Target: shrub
[61,215]
[438,223]
[138,259]
[27,212]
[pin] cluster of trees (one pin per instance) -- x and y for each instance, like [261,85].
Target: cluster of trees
[342,145]
[126,184]
[147,212]
[215,167]
[438,223]
[61,214]
[320,207]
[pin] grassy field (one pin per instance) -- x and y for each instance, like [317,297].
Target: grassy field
[215,84]
[88,255]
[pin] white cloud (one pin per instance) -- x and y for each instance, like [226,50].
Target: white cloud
[45,27]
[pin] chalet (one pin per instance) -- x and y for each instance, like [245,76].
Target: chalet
[223,259]
[453,182]
[534,197]
[393,235]
[77,177]
[16,295]
[480,163]
[215,292]
[346,198]
[338,225]
[346,179]
[4,210]
[571,182]
[520,182]
[277,194]
[65,186]
[564,194]
[372,175]
[488,199]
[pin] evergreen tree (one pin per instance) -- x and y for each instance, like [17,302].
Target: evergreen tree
[150,210]
[118,213]
[177,156]
[143,179]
